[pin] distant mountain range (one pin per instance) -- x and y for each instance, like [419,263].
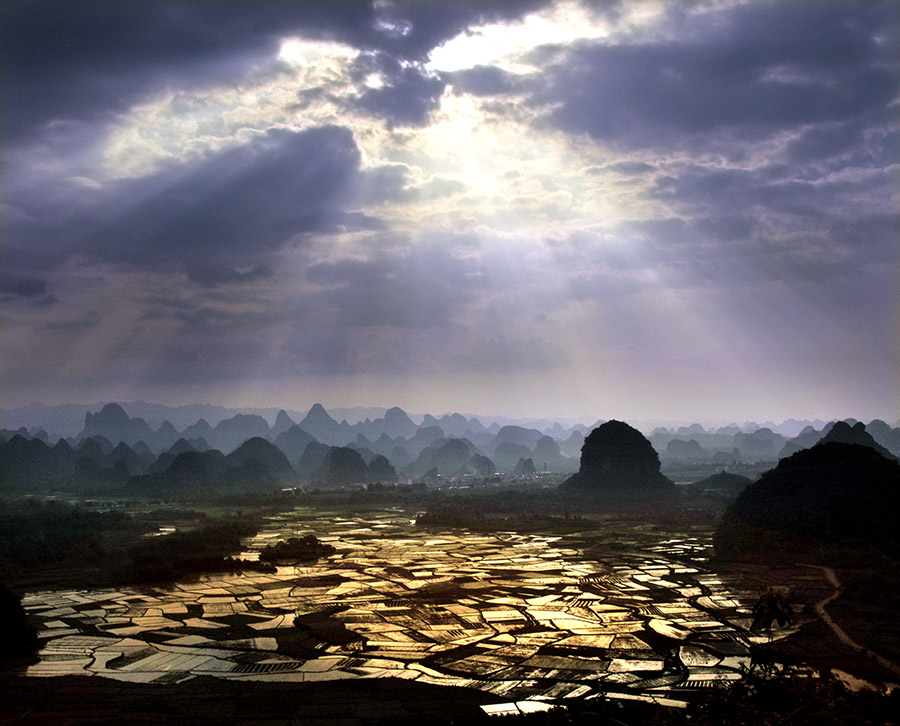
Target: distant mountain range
[67,420]
[112,446]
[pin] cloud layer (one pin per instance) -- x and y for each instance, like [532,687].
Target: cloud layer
[638,209]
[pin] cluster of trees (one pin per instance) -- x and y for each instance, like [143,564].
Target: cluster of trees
[296,549]
[35,533]
[115,547]
[188,553]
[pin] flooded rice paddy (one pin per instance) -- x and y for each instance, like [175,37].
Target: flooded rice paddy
[629,611]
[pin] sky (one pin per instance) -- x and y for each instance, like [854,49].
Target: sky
[676,210]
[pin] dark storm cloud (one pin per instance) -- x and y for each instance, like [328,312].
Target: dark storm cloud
[408,94]
[419,26]
[184,360]
[320,350]
[19,287]
[355,272]
[631,168]
[80,324]
[757,69]
[721,251]
[485,81]
[419,289]
[753,144]
[202,338]
[89,59]
[394,183]
[211,321]
[779,126]
[84,59]
[730,191]
[214,274]
[226,209]
[502,354]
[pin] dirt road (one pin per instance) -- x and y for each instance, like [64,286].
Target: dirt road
[832,577]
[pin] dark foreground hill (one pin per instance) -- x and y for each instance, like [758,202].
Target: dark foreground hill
[617,458]
[831,494]
[724,485]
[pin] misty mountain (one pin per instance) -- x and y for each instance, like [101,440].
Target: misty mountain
[199,430]
[691,430]
[571,447]
[230,433]
[844,433]
[343,466]
[524,467]
[519,436]
[453,457]
[271,456]
[396,423]
[189,471]
[708,445]
[63,420]
[807,437]
[506,455]
[455,425]
[283,422]
[761,445]
[68,419]
[310,462]
[548,457]
[425,436]
[888,437]
[686,450]
[255,466]
[381,470]
[95,448]
[400,458]
[179,447]
[30,464]
[293,442]
[394,436]
[90,477]
[325,429]
[167,457]
[146,455]
[7,434]
[723,485]
[124,453]
[356,414]
[848,431]
[364,451]
[102,467]
[114,424]
[383,445]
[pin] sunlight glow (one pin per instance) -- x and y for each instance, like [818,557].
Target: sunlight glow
[176,127]
[506,45]
[301,52]
[503,44]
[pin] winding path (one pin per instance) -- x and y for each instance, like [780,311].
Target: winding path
[841,634]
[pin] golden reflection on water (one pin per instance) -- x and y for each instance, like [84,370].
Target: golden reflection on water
[519,615]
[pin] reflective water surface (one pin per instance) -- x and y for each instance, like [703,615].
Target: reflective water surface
[518,615]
